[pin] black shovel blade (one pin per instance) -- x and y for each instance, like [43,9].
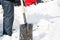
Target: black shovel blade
[26,31]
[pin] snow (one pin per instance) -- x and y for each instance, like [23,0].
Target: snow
[45,18]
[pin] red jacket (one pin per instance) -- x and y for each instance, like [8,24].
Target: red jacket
[29,2]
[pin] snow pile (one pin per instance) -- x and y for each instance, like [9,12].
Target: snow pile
[36,14]
[35,11]
[41,29]
[33,15]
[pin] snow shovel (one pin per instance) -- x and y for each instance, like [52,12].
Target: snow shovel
[26,28]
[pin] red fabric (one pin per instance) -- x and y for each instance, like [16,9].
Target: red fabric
[29,2]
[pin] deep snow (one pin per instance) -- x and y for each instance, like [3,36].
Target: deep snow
[45,18]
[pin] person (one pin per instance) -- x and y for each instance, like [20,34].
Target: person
[8,18]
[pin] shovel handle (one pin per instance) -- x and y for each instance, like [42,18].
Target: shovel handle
[22,3]
[24,16]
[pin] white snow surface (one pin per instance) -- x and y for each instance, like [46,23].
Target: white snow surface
[45,18]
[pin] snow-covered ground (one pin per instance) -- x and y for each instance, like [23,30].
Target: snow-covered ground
[45,18]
